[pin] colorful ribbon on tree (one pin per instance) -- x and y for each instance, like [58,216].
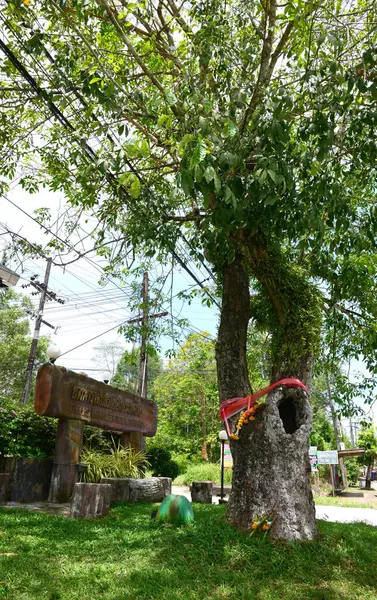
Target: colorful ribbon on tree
[234,405]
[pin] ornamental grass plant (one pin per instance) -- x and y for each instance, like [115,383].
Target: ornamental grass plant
[112,461]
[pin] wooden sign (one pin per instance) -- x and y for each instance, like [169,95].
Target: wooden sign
[68,395]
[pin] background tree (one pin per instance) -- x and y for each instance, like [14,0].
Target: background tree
[15,344]
[252,125]
[126,376]
[368,440]
[187,398]
[108,355]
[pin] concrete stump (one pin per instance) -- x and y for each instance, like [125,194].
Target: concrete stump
[31,480]
[120,488]
[150,489]
[4,487]
[90,500]
[201,492]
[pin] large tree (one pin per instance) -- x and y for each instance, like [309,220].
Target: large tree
[251,125]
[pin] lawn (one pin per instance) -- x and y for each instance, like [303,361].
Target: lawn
[344,501]
[127,556]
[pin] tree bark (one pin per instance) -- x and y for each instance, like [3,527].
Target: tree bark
[231,362]
[204,426]
[270,459]
[368,475]
[271,469]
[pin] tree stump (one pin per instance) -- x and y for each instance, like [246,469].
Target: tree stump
[120,488]
[4,487]
[90,500]
[201,492]
[150,489]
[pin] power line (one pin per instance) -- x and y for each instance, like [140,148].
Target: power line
[97,336]
[88,150]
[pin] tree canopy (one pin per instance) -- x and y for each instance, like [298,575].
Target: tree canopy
[211,117]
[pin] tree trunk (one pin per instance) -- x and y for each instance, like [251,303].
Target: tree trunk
[270,459]
[271,468]
[204,425]
[231,362]
[368,475]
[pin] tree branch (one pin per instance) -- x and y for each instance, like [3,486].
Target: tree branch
[264,72]
[175,12]
[130,47]
[280,47]
[185,219]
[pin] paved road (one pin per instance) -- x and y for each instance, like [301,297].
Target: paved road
[342,514]
[336,514]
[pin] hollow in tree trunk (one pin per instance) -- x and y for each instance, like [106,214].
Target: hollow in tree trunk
[270,459]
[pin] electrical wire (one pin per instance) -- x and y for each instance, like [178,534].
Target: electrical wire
[87,148]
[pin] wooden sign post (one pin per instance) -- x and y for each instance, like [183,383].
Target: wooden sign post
[76,399]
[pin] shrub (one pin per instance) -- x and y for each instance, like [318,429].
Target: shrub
[25,433]
[161,463]
[204,472]
[353,471]
[115,461]
[183,461]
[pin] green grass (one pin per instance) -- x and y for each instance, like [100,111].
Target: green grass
[339,501]
[128,556]
[203,472]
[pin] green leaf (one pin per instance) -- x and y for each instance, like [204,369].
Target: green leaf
[209,173]
[199,153]
[135,187]
[217,181]
[231,128]
[273,175]
[187,182]
[94,80]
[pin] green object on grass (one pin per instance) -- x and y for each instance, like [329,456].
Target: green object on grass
[175,509]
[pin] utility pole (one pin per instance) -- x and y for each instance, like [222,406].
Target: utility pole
[336,429]
[133,439]
[137,440]
[34,343]
[142,388]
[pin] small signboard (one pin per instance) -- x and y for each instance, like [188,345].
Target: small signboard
[228,459]
[328,457]
[313,458]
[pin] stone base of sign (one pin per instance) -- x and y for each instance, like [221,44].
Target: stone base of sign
[120,488]
[149,489]
[63,480]
[201,492]
[7,464]
[31,480]
[5,480]
[90,500]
